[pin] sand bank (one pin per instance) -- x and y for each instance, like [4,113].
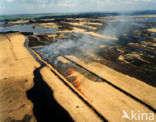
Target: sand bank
[16,77]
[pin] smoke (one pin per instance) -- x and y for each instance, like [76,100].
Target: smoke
[119,26]
[88,45]
[56,49]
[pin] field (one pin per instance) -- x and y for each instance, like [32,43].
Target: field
[76,64]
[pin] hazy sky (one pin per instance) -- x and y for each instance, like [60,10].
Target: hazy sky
[53,6]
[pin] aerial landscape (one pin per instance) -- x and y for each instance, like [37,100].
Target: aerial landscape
[78,66]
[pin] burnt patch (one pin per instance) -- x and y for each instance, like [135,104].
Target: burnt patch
[33,41]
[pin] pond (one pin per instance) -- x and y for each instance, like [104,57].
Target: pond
[28,28]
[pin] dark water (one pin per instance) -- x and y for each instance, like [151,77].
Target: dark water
[46,108]
[150,19]
[27,28]
[1,22]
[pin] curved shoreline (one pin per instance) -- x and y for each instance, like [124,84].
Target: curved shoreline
[16,77]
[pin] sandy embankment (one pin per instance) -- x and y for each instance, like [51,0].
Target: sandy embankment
[78,30]
[17,22]
[16,77]
[95,34]
[85,24]
[47,25]
[152,30]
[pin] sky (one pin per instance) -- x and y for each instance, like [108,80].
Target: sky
[63,6]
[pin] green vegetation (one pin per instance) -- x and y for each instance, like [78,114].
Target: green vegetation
[30,16]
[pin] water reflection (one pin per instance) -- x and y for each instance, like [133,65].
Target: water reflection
[28,28]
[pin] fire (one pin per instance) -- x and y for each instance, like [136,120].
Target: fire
[70,71]
[74,80]
[76,84]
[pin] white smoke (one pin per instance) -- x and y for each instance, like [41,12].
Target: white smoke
[88,45]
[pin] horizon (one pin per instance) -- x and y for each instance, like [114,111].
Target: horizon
[7,7]
[89,12]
